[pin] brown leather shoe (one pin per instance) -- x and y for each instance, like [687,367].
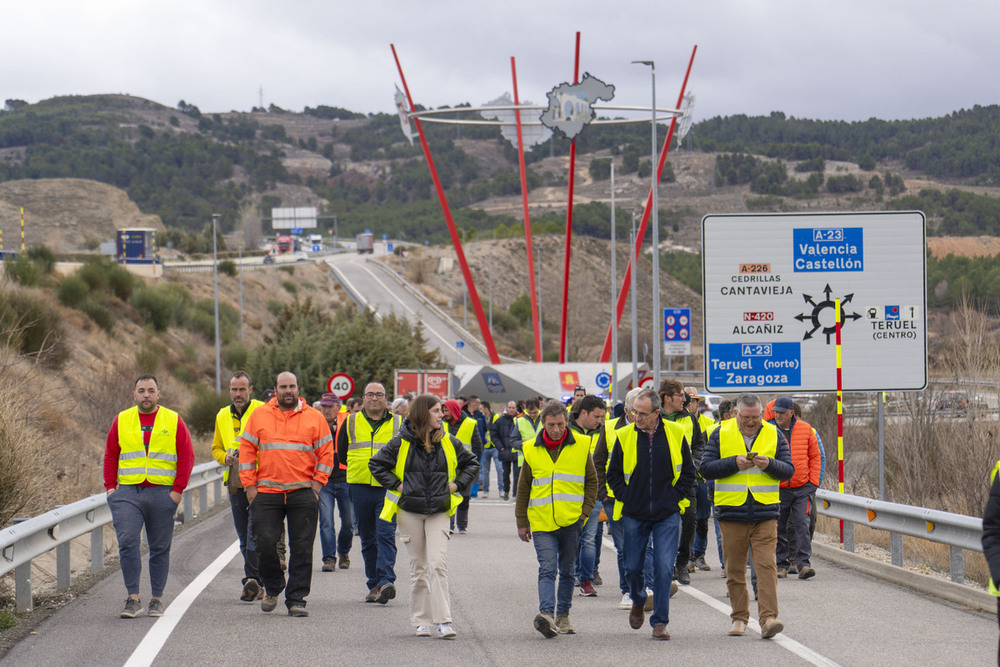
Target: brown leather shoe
[636,616]
[660,632]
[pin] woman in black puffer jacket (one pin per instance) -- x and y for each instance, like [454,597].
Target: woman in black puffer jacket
[425,472]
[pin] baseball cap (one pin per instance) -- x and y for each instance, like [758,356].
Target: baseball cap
[329,399]
[783,404]
[692,392]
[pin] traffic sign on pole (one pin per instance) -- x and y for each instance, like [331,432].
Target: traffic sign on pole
[677,331]
[340,384]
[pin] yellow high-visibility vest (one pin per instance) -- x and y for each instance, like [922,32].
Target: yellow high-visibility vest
[627,437]
[993,475]
[732,491]
[391,504]
[362,445]
[557,487]
[228,433]
[158,464]
[466,428]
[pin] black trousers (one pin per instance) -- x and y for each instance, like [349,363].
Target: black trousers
[507,467]
[270,511]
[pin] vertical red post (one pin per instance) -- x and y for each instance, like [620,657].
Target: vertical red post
[455,239]
[527,218]
[641,233]
[22,232]
[569,220]
[840,415]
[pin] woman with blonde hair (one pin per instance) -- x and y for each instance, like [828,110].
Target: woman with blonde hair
[425,472]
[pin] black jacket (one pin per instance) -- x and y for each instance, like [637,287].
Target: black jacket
[991,530]
[504,433]
[650,494]
[425,487]
[601,455]
[780,468]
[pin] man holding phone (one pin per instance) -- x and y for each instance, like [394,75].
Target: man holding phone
[748,459]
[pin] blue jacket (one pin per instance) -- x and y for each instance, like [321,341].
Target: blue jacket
[713,467]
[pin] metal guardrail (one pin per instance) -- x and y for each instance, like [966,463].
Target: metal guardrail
[958,531]
[31,538]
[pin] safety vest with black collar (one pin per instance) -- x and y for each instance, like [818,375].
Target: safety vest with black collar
[627,437]
[156,464]
[732,491]
[448,443]
[362,444]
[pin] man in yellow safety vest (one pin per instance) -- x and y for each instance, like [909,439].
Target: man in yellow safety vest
[991,537]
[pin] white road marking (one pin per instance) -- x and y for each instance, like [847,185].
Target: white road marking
[150,646]
[787,643]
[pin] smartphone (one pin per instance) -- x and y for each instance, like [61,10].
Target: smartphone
[751,455]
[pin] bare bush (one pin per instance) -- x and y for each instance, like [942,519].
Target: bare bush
[20,439]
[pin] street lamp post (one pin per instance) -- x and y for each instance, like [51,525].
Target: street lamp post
[614,286]
[215,270]
[657,314]
[635,327]
[491,276]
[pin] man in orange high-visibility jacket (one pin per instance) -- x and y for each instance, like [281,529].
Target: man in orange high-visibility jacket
[286,456]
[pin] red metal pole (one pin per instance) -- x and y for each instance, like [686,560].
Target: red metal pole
[456,241]
[641,233]
[569,219]
[527,219]
[840,416]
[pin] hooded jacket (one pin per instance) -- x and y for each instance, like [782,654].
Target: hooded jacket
[425,487]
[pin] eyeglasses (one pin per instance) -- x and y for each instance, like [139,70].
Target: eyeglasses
[374,394]
[642,415]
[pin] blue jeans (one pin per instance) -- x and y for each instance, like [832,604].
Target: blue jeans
[617,530]
[133,507]
[588,547]
[556,550]
[666,535]
[334,542]
[484,470]
[702,515]
[243,520]
[378,537]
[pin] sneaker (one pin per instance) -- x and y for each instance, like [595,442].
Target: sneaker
[506,496]
[564,626]
[463,531]
[597,581]
[298,611]
[586,590]
[626,602]
[545,625]
[386,593]
[445,631]
[329,564]
[806,573]
[251,589]
[792,568]
[691,567]
[132,608]
[770,628]
[701,564]
[155,608]
[372,594]
[260,594]
[737,629]
[674,588]
[681,575]
[423,631]
[345,561]
[269,602]
[782,572]
[649,601]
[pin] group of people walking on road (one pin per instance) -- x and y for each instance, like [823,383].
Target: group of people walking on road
[653,470]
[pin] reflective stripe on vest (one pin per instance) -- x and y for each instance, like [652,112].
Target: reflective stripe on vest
[557,488]
[158,464]
[627,437]
[732,491]
[362,445]
[466,428]
[391,504]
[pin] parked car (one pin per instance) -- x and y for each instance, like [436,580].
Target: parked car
[958,400]
[711,404]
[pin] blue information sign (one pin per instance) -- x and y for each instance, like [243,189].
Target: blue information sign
[603,380]
[460,344]
[755,364]
[828,249]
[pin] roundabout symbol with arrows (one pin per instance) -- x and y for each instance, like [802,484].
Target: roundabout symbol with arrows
[815,318]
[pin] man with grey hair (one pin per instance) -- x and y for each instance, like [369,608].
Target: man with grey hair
[651,473]
[748,458]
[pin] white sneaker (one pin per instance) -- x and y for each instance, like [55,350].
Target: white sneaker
[423,631]
[626,602]
[445,631]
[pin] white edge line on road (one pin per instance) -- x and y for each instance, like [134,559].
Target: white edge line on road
[785,642]
[150,646]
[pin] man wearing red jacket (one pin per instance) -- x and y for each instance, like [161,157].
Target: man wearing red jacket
[796,494]
[286,456]
[147,465]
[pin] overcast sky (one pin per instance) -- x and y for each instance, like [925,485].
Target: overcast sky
[847,60]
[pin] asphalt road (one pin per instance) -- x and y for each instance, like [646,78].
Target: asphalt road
[838,617]
[385,295]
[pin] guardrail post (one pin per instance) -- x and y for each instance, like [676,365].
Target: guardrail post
[896,547]
[957,565]
[22,588]
[97,549]
[188,512]
[203,500]
[63,558]
[849,536]
[217,487]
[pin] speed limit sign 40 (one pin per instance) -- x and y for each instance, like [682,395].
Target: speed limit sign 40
[340,384]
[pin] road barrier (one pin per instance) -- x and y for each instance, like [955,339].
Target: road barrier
[29,539]
[958,531]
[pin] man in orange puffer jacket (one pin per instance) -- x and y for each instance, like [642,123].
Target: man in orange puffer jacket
[796,493]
